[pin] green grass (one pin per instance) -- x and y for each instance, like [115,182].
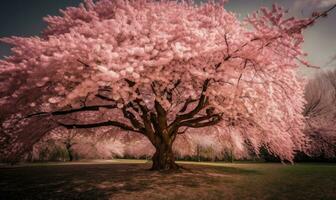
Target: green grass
[131,179]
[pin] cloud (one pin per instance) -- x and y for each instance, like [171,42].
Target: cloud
[326,3]
[306,7]
[313,3]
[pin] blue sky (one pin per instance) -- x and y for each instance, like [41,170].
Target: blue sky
[24,18]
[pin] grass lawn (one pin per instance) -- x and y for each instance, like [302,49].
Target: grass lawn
[131,179]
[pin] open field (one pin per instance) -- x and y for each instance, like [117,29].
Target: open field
[130,179]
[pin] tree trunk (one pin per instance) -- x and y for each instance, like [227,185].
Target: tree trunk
[69,150]
[198,150]
[70,155]
[163,158]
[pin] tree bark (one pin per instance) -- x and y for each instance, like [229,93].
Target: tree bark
[163,158]
[70,155]
[69,150]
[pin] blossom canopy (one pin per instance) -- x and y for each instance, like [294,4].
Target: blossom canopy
[162,69]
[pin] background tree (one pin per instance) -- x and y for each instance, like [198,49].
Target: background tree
[320,113]
[158,69]
[69,140]
[63,144]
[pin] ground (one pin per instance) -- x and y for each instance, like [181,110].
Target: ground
[131,179]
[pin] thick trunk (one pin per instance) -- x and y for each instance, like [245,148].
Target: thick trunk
[163,158]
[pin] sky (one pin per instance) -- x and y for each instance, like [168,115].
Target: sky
[24,18]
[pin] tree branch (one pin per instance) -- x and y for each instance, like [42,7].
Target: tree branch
[100,124]
[100,96]
[131,117]
[83,63]
[186,104]
[168,92]
[199,121]
[145,118]
[201,103]
[65,112]
[322,14]
[202,124]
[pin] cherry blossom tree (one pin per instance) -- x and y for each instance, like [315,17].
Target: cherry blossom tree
[320,112]
[68,139]
[160,69]
[74,144]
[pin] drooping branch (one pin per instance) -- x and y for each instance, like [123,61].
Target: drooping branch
[75,110]
[100,124]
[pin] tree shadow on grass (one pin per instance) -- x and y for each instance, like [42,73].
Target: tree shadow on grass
[111,181]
